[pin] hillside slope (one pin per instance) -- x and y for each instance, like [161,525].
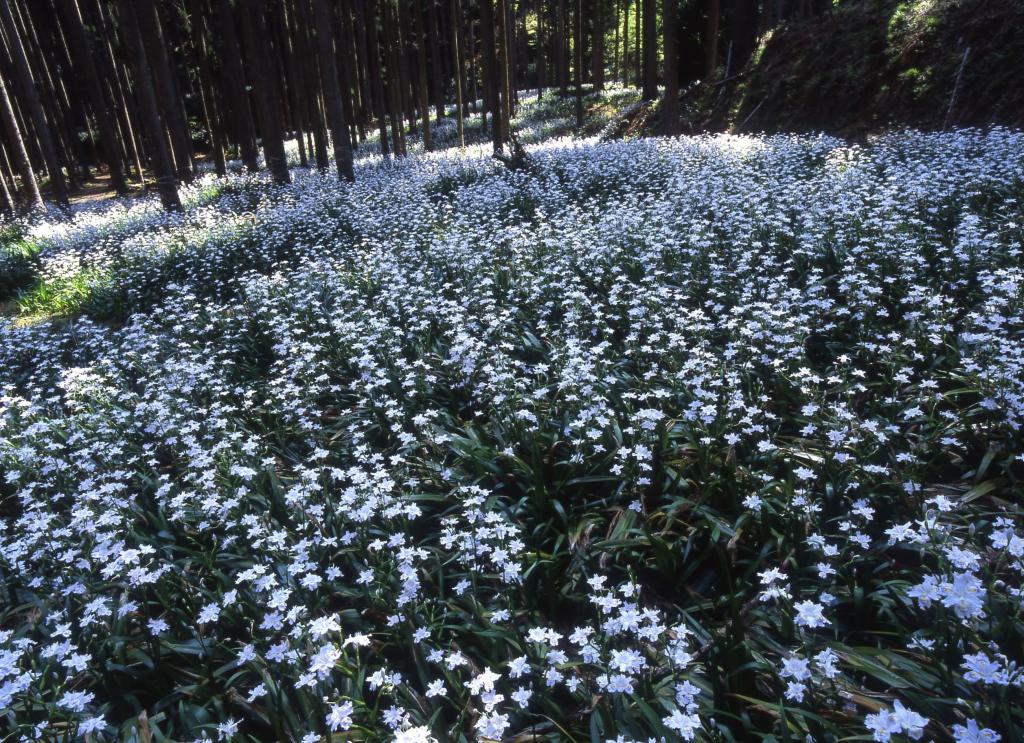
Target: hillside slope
[874,65]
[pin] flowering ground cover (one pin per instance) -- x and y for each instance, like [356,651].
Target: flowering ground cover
[714,438]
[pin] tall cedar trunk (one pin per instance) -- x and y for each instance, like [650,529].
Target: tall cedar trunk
[625,43]
[421,63]
[597,46]
[332,93]
[54,106]
[7,204]
[364,64]
[234,81]
[711,38]
[376,78]
[81,49]
[637,57]
[399,36]
[29,95]
[541,61]
[457,63]
[161,159]
[32,198]
[437,76]
[345,54]
[47,58]
[561,42]
[391,67]
[503,66]
[670,106]
[124,104]
[491,82]
[578,62]
[257,47]
[474,92]
[294,81]
[211,109]
[650,87]
[615,52]
[312,73]
[166,87]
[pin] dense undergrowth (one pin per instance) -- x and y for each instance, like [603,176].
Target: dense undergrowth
[715,438]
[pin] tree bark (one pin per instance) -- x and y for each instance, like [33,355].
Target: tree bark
[597,46]
[670,105]
[234,82]
[421,63]
[30,95]
[332,93]
[166,88]
[22,161]
[211,111]
[650,87]
[257,47]
[161,159]
[376,79]
[457,63]
[578,62]
[711,39]
[81,49]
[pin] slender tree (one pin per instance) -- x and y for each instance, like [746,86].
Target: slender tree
[22,161]
[670,105]
[332,93]
[160,158]
[211,108]
[168,95]
[457,63]
[711,38]
[650,87]
[29,94]
[234,82]
[81,49]
[578,62]
[258,51]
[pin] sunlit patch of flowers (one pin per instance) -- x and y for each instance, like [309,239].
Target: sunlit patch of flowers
[702,439]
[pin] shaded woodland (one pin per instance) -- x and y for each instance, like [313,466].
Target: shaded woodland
[137,93]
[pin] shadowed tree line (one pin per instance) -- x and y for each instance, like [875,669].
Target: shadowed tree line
[137,90]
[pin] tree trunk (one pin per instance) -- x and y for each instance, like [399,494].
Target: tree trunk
[161,159]
[257,48]
[234,82]
[166,88]
[437,76]
[332,93]
[650,87]
[637,59]
[491,83]
[211,111]
[421,63]
[457,63]
[504,67]
[376,79]
[311,74]
[670,106]
[578,62]
[30,96]
[80,48]
[22,162]
[597,46]
[124,104]
[711,39]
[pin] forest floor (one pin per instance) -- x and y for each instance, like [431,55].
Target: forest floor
[712,438]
